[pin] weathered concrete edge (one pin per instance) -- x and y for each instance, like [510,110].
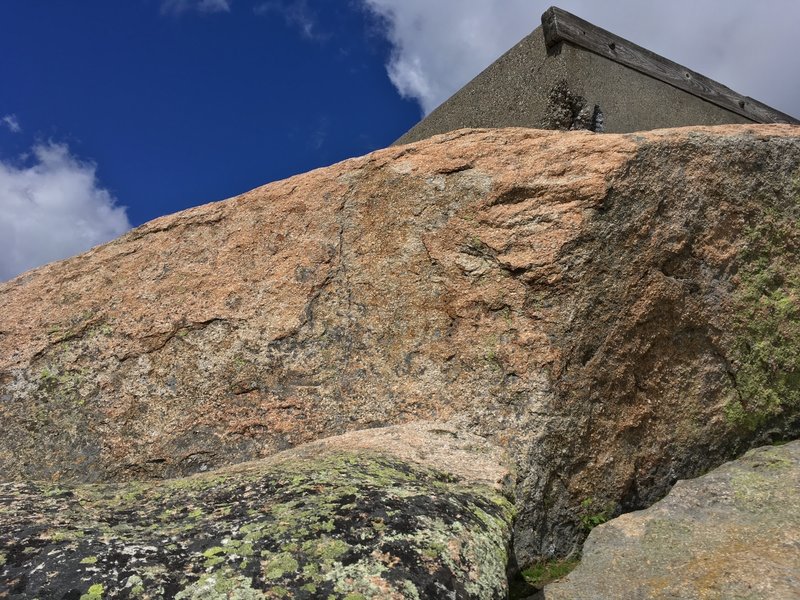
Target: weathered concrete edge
[560,26]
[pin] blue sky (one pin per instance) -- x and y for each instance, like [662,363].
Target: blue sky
[114,112]
[183,108]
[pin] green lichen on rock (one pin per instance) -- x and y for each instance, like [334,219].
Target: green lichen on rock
[767,322]
[95,592]
[543,573]
[224,583]
[341,525]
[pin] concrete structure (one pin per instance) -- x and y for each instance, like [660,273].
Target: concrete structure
[569,74]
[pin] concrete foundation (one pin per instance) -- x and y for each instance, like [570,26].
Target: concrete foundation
[547,81]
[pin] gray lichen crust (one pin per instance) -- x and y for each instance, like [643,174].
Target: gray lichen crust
[343,525]
[731,534]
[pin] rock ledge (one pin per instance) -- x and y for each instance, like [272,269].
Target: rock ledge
[733,534]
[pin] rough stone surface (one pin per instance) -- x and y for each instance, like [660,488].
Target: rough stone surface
[318,522]
[733,534]
[615,311]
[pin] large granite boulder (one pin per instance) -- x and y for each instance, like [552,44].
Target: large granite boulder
[616,311]
[733,534]
[408,512]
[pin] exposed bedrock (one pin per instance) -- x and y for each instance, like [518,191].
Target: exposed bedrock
[352,517]
[729,535]
[615,311]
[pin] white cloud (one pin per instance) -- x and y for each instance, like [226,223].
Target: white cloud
[438,46]
[177,7]
[12,123]
[53,209]
[296,13]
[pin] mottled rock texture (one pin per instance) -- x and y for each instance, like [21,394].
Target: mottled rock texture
[733,534]
[318,522]
[616,311]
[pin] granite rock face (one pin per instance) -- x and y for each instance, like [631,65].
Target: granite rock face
[732,534]
[338,519]
[615,311]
